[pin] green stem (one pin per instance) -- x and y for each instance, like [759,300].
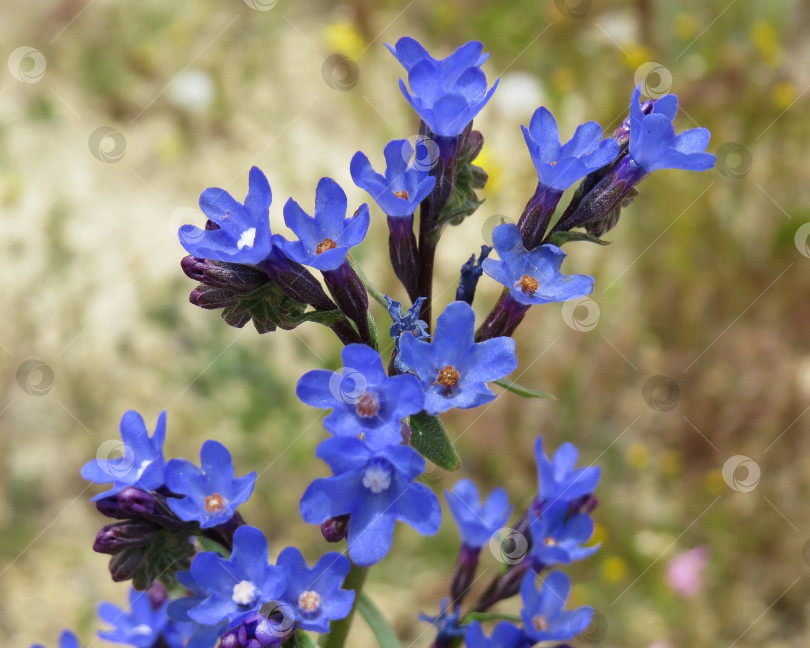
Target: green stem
[376,295]
[340,629]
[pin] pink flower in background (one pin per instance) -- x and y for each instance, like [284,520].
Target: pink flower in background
[685,571]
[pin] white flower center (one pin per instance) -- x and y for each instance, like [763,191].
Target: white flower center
[142,630]
[247,239]
[244,593]
[377,478]
[309,601]
[144,465]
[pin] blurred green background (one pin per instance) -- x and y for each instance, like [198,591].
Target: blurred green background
[698,353]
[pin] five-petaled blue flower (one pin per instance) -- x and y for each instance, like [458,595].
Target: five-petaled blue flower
[653,143]
[141,462]
[140,626]
[558,480]
[325,239]
[476,522]
[561,165]
[364,400]
[454,369]
[532,276]
[543,616]
[505,635]
[213,493]
[315,594]
[405,183]
[558,537]
[447,94]
[376,488]
[244,230]
[66,640]
[238,586]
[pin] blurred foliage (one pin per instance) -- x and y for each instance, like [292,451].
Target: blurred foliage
[705,283]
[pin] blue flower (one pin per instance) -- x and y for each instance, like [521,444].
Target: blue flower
[200,636]
[558,480]
[243,235]
[325,239]
[558,538]
[364,400]
[404,185]
[542,613]
[238,586]
[447,94]
[212,494]
[141,462]
[66,640]
[408,323]
[316,593]
[476,522]
[654,145]
[454,369]
[140,626]
[374,487]
[533,277]
[505,635]
[446,623]
[559,166]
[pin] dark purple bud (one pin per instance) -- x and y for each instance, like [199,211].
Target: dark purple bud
[404,253]
[212,298]
[351,296]
[463,574]
[472,144]
[470,274]
[110,507]
[125,564]
[193,267]
[295,280]
[336,528]
[230,639]
[537,214]
[114,538]
[503,319]
[136,502]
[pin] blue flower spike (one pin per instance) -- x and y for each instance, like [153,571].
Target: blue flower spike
[66,640]
[376,488]
[140,462]
[324,239]
[559,538]
[237,587]
[532,277]
[140,625]
[405,184]
[243,233]
[315,593]
[558,479]
[363,399]
[454,369]
[477,522]
[448,93]
[560,165]
[543,616]
[212,492]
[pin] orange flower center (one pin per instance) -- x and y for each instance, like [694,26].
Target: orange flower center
[214,503]
[326,244]
[401,194]
[367,405]
[448,377]
[528,285]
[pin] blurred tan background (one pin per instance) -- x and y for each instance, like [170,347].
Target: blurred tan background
[694,349]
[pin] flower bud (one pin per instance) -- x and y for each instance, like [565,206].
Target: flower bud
[336,528]
[114,538]
[135,502]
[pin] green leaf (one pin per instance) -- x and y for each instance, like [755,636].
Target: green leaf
[429,437]
[513,387]
[560,238]
[386,637]
[301,639]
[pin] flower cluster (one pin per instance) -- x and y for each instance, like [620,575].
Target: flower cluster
[178,525]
